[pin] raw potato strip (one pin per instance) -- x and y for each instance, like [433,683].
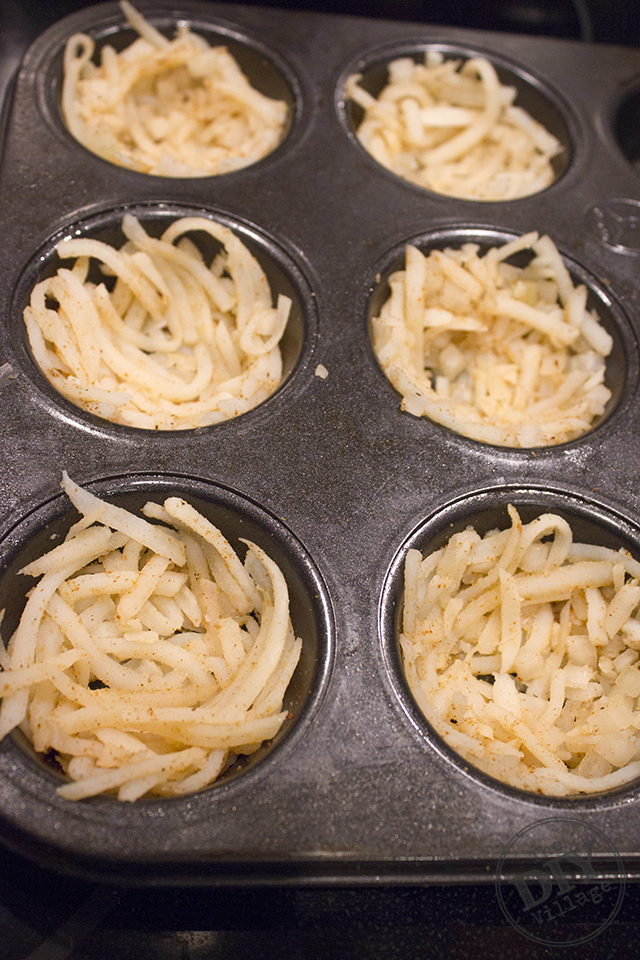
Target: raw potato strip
[173,344]
[167,764]
[23,644]
[451,127]
[171,108]
[506,355]
[522,650]
[148,658]
[149,534]
[182,511]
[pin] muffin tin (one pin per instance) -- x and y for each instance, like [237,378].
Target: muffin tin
[328,474]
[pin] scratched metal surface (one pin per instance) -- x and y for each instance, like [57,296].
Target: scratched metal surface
[329,471]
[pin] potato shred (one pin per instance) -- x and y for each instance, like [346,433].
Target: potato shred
[171,108]
[452,127]
[522,650]
[503,354]
[148,656]
[164,342]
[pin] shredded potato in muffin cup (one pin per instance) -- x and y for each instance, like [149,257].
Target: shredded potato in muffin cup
[508,355]
[521,648]
[171,108]
[449,125]
[154,334]
[150,654]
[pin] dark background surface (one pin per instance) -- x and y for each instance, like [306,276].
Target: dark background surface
[46,916]
[601,21]
[597,21]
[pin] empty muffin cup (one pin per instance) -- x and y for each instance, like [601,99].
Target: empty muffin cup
[625,125]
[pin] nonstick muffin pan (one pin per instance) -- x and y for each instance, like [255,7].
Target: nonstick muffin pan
[328,474]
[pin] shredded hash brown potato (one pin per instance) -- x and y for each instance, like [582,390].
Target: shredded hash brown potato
[452,127]
[521,649]
[172,108]
[503,354]
[171,343]
[148,656]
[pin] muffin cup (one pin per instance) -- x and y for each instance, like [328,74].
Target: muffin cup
[267,73]
[282,273]
[30,780]
[484,511]
[622,361]
[543,105]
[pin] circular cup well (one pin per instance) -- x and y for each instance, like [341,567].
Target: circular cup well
[531,95]
[621,363]
[239,519]
[263,68]
[283,275]
[486,510]
[626,126]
